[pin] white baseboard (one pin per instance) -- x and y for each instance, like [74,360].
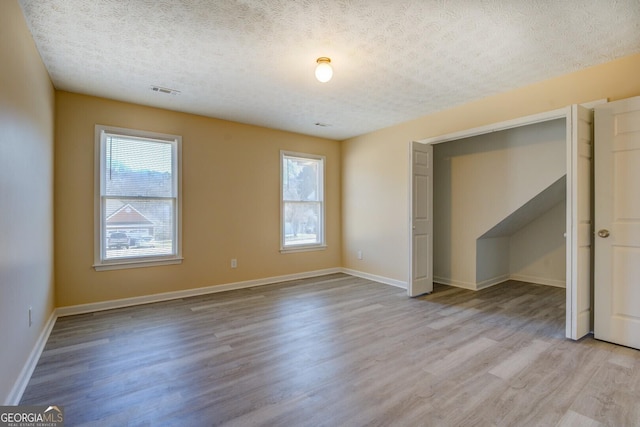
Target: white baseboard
[456,283]
[375,278]
[27,370]
[499,279]
[145,299]
[492,281]
[539,280]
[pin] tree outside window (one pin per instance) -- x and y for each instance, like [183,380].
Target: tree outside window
[302,201]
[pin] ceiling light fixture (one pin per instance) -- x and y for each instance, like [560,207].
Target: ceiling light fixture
[324,72]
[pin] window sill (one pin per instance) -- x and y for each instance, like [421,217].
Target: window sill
[303,249]
[120,265]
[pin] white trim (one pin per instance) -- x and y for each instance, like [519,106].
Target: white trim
[496,127]
[499,279]
[592,104]
[546,116]
[146,299]
[569,229]
[492,281]
[455,283]
[376,278]
[323,222]
[100,262]
[136,264]
[539,280]
[304,248]
[15,395]
[470,285]
[410,217]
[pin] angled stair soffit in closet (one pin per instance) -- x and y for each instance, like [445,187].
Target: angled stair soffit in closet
[528,212]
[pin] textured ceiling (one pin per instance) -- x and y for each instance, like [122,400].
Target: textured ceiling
[253,61]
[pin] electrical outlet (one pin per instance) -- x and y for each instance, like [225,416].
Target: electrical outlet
[359,254]
[30,318]
[234,263]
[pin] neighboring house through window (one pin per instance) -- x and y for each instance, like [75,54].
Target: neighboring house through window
[302,202]
[138,209]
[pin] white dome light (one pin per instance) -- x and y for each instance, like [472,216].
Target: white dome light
[324,72]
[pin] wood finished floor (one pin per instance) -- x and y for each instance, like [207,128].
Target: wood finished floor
[337,351]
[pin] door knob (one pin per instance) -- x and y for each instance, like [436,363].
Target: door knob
[603,233]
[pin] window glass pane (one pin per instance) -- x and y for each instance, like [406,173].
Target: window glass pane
[139,201]
[138,228]
[135,167]
[301,179]
[302,223]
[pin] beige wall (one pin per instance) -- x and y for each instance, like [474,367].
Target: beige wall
[479,182]
[26,195]
[537,252]
[375,166]
[491,262]
[230,210]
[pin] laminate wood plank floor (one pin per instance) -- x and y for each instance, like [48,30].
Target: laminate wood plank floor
[337,351]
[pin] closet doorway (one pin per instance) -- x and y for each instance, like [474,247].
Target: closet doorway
[576,178]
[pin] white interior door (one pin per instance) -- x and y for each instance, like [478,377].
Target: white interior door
[617,214]
[579,221]
[421,259]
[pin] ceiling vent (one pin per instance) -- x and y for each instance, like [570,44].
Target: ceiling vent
[165,90]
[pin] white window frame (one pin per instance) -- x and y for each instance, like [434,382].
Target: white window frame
[100,263]
[322,245]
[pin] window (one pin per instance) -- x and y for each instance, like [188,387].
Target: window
[138,198]
[302,201]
